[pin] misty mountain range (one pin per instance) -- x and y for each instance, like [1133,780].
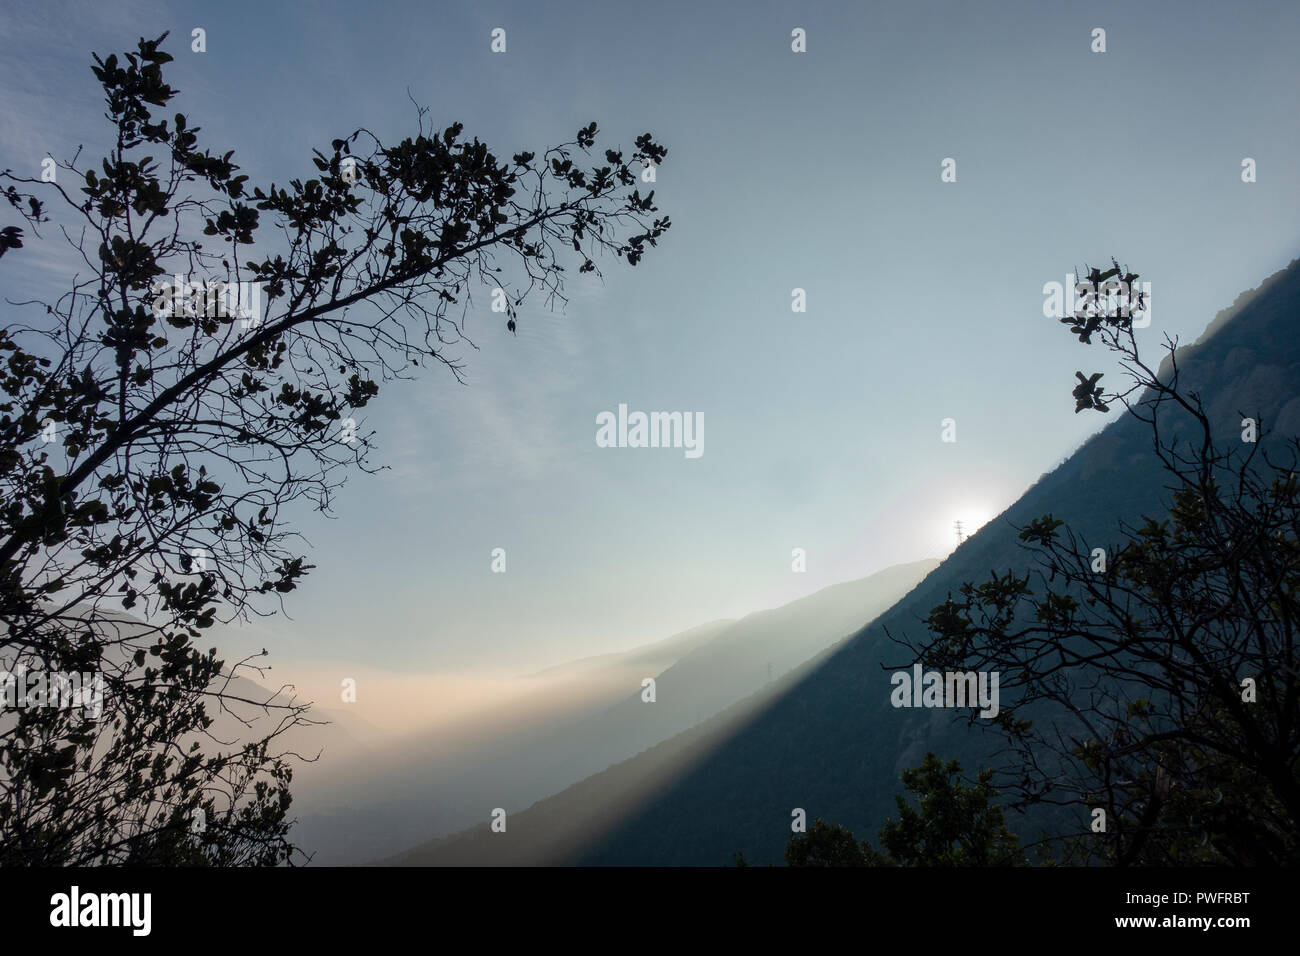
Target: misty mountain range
[570,722]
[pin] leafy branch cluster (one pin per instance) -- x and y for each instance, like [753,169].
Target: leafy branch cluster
[151,457]
[1155,678]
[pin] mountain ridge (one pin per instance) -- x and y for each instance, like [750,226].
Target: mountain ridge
[831,743]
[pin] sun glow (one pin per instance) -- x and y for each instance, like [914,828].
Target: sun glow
[968,519]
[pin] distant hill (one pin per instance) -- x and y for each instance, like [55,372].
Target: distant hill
[425,786]
[729,673]
[831,743]
[355,802]
[652,658]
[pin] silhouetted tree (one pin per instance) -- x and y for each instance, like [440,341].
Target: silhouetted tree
[152,443]
[951,825]
[827,844]
[1155,679]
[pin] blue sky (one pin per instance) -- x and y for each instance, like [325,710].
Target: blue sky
[818,171]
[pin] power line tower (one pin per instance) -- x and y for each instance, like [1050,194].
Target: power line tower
[961,535]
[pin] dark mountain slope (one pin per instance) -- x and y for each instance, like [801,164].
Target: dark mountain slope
[833,745]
